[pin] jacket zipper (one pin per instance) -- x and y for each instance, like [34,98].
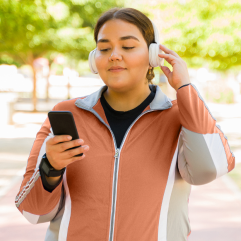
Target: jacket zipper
[115,179]
[116,168]
[113,206]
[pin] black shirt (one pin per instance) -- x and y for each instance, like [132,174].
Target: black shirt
[120,121]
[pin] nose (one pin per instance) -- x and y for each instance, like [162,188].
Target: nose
[115,55]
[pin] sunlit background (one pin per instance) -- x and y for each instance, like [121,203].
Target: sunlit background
[44,48]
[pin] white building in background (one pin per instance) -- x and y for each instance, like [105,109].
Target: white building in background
[13,81]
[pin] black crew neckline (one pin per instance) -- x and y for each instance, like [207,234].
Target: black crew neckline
[126,114]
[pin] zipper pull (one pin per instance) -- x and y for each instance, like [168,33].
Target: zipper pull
[116,153]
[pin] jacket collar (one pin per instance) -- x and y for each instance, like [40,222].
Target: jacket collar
[160,101]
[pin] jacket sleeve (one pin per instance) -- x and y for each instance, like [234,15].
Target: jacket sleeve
[203,150]
[35,203]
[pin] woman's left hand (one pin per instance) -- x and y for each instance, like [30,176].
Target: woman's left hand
[180,75]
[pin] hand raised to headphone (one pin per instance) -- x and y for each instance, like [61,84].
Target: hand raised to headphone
[180,75]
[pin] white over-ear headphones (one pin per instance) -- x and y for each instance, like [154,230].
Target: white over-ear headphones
[154,50]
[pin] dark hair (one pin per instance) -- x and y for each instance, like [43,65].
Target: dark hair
[133,16]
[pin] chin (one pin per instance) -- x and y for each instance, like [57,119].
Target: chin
[117,85]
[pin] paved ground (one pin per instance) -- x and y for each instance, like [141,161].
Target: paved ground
[214,208]
[13,226]
[215,212]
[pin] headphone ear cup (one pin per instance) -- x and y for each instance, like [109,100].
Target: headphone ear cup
[91,61]
[154,59]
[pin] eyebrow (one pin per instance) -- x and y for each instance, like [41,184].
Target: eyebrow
[121,38]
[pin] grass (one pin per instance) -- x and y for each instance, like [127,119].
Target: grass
[235,174]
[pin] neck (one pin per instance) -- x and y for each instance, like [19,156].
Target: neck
[124,101]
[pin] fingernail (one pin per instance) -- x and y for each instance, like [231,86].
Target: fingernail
[69,137]
[86,148]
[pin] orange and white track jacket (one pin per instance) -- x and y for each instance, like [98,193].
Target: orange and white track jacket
[139,191]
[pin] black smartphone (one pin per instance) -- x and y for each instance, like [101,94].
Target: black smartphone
[62,123]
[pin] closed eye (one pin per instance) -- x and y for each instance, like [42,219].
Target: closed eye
[128,47]
[104,50]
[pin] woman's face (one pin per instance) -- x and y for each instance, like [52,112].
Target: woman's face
[120,43]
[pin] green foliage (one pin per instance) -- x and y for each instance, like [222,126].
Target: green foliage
[6,59]
[204,32]
[32,29]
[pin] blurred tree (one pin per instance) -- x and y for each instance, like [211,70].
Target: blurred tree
[204,32]
[33,29]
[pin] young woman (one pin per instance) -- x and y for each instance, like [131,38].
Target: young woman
[142,150]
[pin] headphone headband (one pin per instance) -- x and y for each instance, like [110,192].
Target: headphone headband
[156,34]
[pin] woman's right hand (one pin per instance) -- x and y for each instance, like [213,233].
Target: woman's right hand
[57,154]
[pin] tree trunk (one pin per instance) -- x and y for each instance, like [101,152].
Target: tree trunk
[47,84]
[34,96]
[68,86]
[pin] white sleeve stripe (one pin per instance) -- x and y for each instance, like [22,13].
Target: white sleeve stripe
[218,126]
[32,218]
[211,115]
[27,188]
[162,226]
[217,153]
[30,184]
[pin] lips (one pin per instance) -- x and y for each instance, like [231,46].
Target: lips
[116,68]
